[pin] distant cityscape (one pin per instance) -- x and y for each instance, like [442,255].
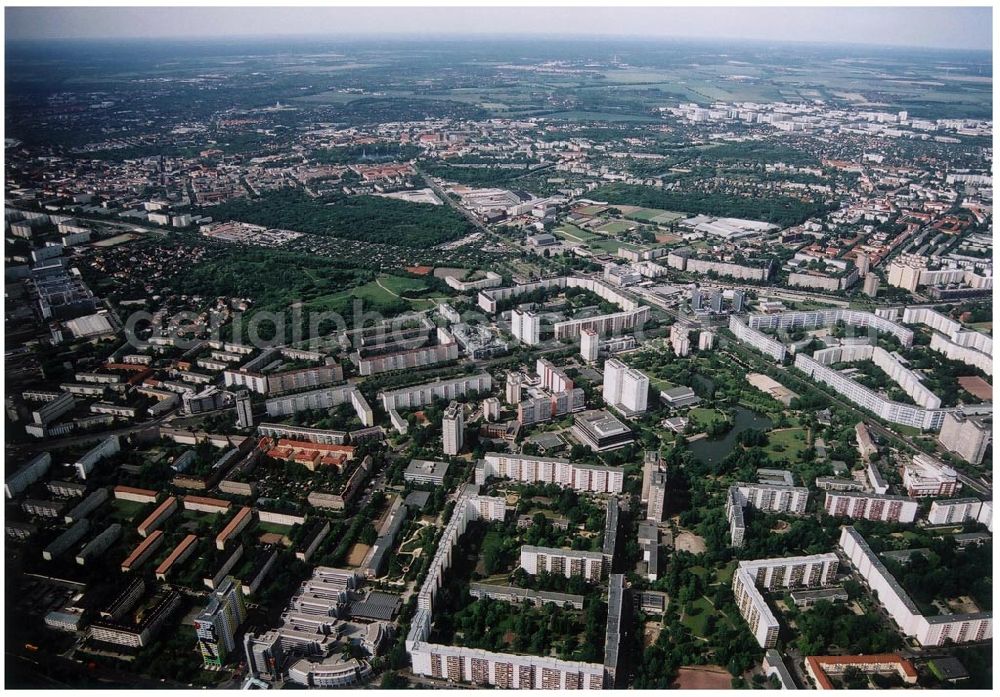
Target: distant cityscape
[502,364]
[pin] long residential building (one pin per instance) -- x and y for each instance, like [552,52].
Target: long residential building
[27,474]
[820,668]
[323,398]
[891,509]
[563,562]
[788,572]
[99,544]
[301,433]
[814,319]
[886,409]
[421,395]
[243,518]
[477,666]
[599,479]
[86,463]
[952,339]
[143,551]
[928,631]
[547,407]
[757,339]
[909,381]
[158,516]
[444,351]
[774,498]
[958,511]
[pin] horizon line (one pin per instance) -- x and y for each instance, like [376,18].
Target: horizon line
[470,36]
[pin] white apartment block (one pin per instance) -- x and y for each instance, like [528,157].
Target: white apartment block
[420,395]
[590,345]
[965,354]
[598,479]
[413,358]
[614,323]
[909,381]
[756,339]
[958,511]
[488,298]
[966,436]
[657,496]
[453,429]
[323,398]
[928,631]
[774,498]
[850,504]
[734,514]
[926,476]
[526,326]
[564,562]
[814,319]
[886,409]
[474,665]
[85,465]
[491,280]
[790,572]
[625,388]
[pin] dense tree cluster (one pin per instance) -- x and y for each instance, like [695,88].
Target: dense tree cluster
[780,210]
[364,218]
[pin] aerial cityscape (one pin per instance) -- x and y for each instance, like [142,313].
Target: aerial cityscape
[467,358]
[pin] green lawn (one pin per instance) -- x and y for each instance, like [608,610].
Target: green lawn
[606,245]
[706,416]
[696,623]
[615,227]
[379,295]
[660,383]
[568,231]
[400,284]
[793,440]
[655,215]
[274,527]
[125,509]
[725,574]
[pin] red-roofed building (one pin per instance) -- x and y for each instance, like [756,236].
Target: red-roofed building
[820,668]
[311,455]
[239,521]
[181,552]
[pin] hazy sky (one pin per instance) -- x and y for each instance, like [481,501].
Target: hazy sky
[955,27]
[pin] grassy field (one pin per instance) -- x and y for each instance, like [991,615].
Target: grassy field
[697,622]
[572,233]
[276,528]
[606,245]
[793,441]
[706,416]
[380,292]
[653,215]
[125,509]
[615,227]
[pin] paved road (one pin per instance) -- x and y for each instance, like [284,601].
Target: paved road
[69,441]
[467,214]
